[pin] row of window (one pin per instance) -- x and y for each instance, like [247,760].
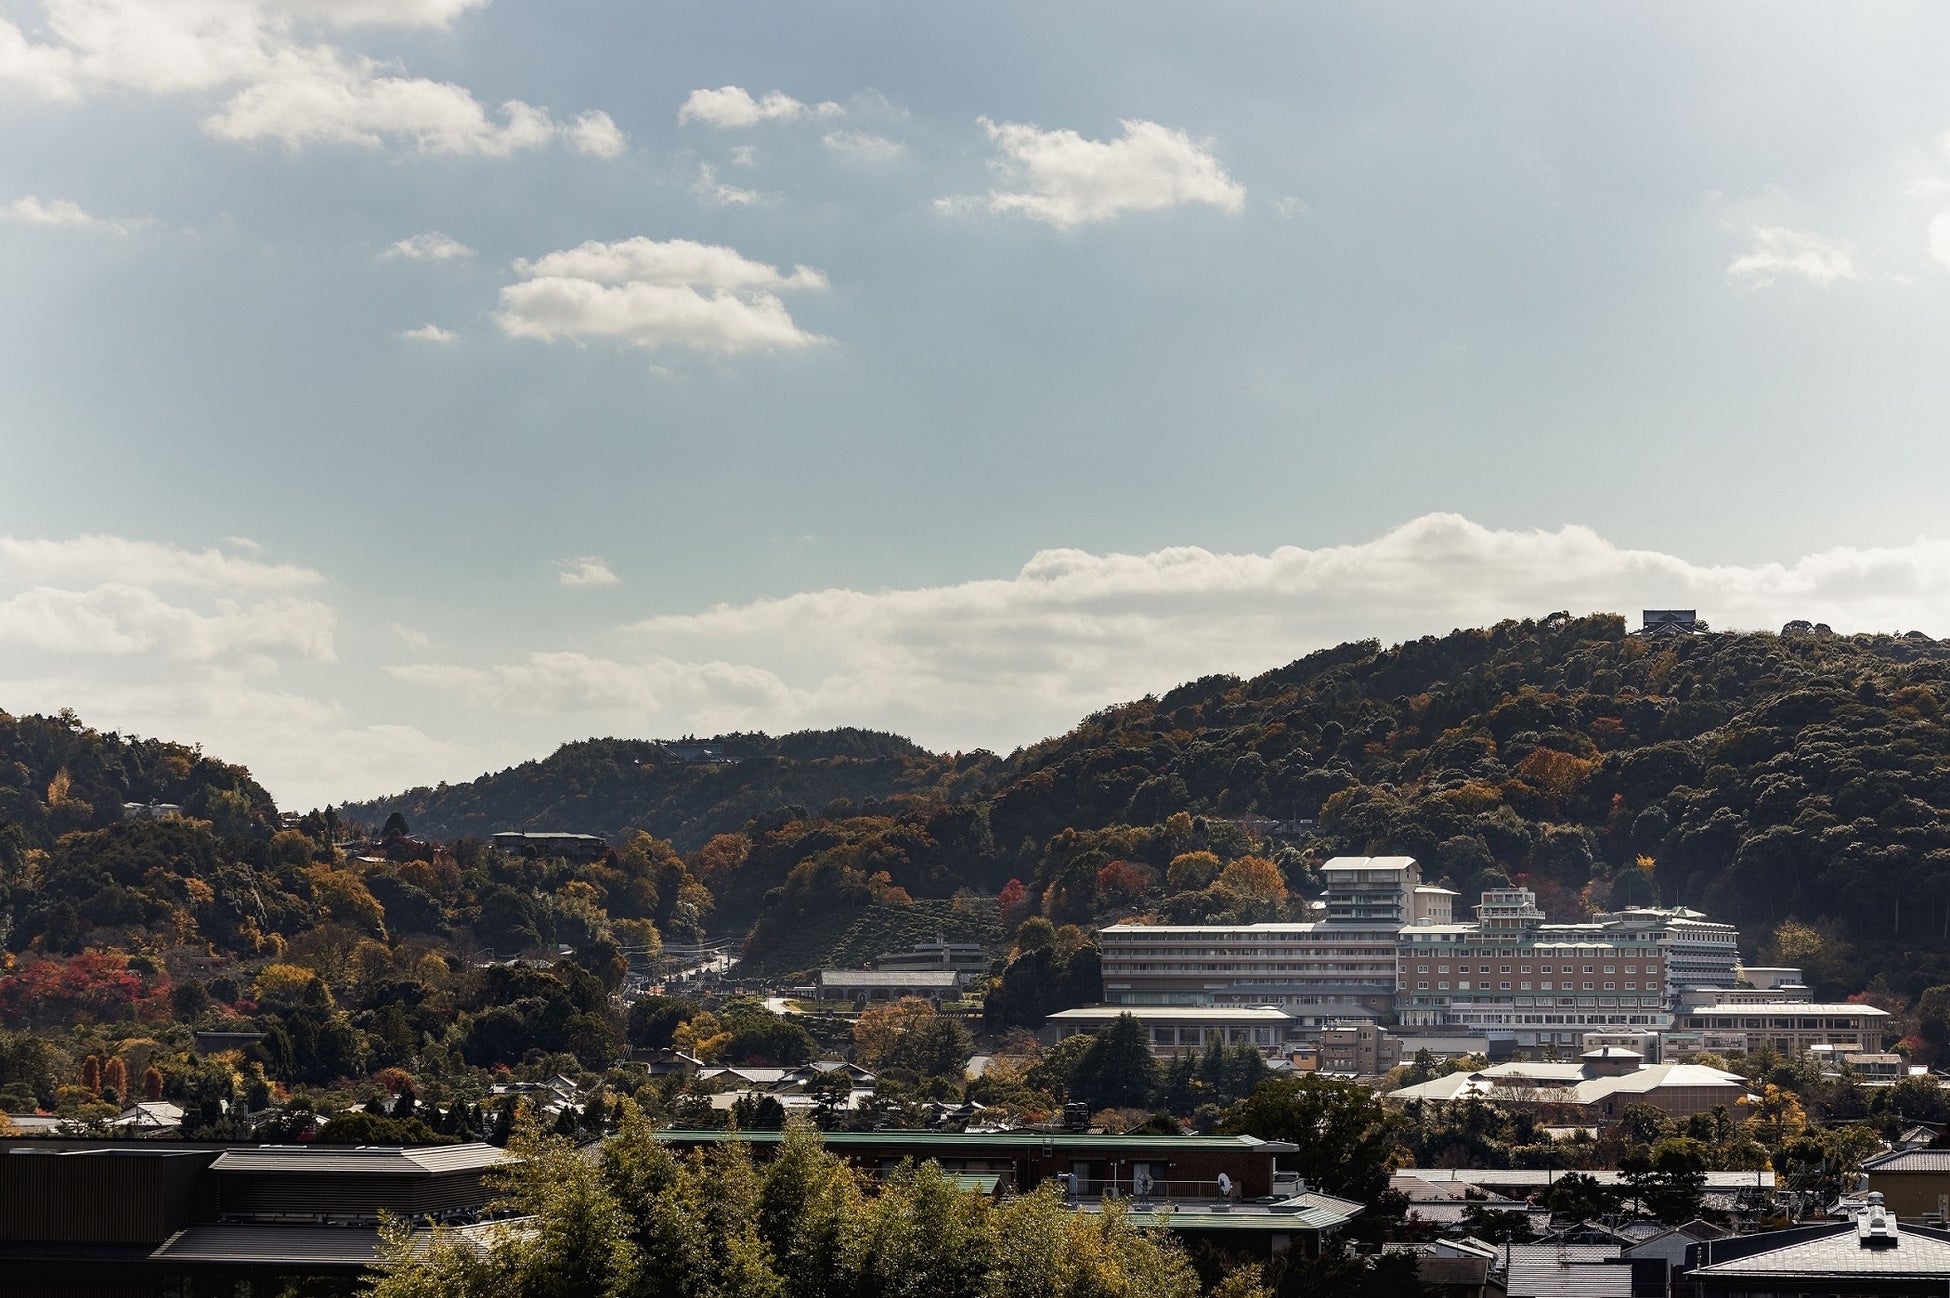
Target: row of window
[1463,969]
[1545,986]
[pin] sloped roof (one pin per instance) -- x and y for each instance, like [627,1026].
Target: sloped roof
[1920,1251]
[360,1160]
[1910,1160]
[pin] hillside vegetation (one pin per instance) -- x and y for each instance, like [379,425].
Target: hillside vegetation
[616,787]
[1797,786]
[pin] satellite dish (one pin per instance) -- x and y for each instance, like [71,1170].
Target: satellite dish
[1141,1182]
[1225,1186]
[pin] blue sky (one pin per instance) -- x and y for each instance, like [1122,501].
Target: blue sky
[396,388]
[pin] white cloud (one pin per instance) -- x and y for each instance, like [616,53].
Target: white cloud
[717,193]
[1779,251]
[587,570]
[574,682]
[428,333]
[1003,661]
[121,620]
[1288,207]
[864,147]
[730,107]
[283,88]
[1940,238]
[597,135]
[396,13]
[99,558]
[412,637]
[1063,179]
[670,261]
[59,212]
[654,294]
[429,246]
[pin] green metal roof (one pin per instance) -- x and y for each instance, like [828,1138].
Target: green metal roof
[973,1140]
[983,1181]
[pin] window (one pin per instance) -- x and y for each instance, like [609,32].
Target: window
[1503,987]
[1611,987]
[1442,968]
[1421,987]
[1421,968]
[1504,969]
[1523,986]
[1589,969]
[1525,969]
[1587,986]
[1545,985]
[1442,986]
[1611,969]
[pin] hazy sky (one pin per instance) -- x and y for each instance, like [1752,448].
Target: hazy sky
[393,389]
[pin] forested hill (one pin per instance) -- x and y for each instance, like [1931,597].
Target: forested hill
[57,775]
[617,787]
[1762,778]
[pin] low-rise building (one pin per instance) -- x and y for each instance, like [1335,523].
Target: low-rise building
[1360,1049]
[863,985]
[966,957]
[1791,1027]
[1913,1182]
[1183,1029]
[1597,1087]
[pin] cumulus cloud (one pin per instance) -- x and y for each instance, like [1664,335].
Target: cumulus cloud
[1940,238]
[282,87]
[120,619]
[1779,251]
[412,637]
[1063,179]
[652,293]
[587,570]
[1006,660]
[733,107]
[596,134]
[99,558]
[428,333]
[60,213]
[864,146]
[717,193]
[429,246]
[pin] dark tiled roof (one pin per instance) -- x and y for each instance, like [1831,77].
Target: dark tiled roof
[1910,1160]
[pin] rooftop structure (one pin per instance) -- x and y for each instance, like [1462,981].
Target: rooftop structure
[1671,621]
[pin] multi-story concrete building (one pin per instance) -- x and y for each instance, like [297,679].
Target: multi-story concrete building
[1699,952]
[1360,1049]
[1341,967]
[1511,975]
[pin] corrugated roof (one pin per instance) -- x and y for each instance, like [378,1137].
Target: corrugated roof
[360,1160]
[1540,1177]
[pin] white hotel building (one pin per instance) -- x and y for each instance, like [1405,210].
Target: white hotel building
[1389,946]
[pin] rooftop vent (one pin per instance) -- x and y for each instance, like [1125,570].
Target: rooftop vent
[1874,1226]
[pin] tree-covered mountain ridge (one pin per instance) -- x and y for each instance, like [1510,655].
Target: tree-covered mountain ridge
[1762,778]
